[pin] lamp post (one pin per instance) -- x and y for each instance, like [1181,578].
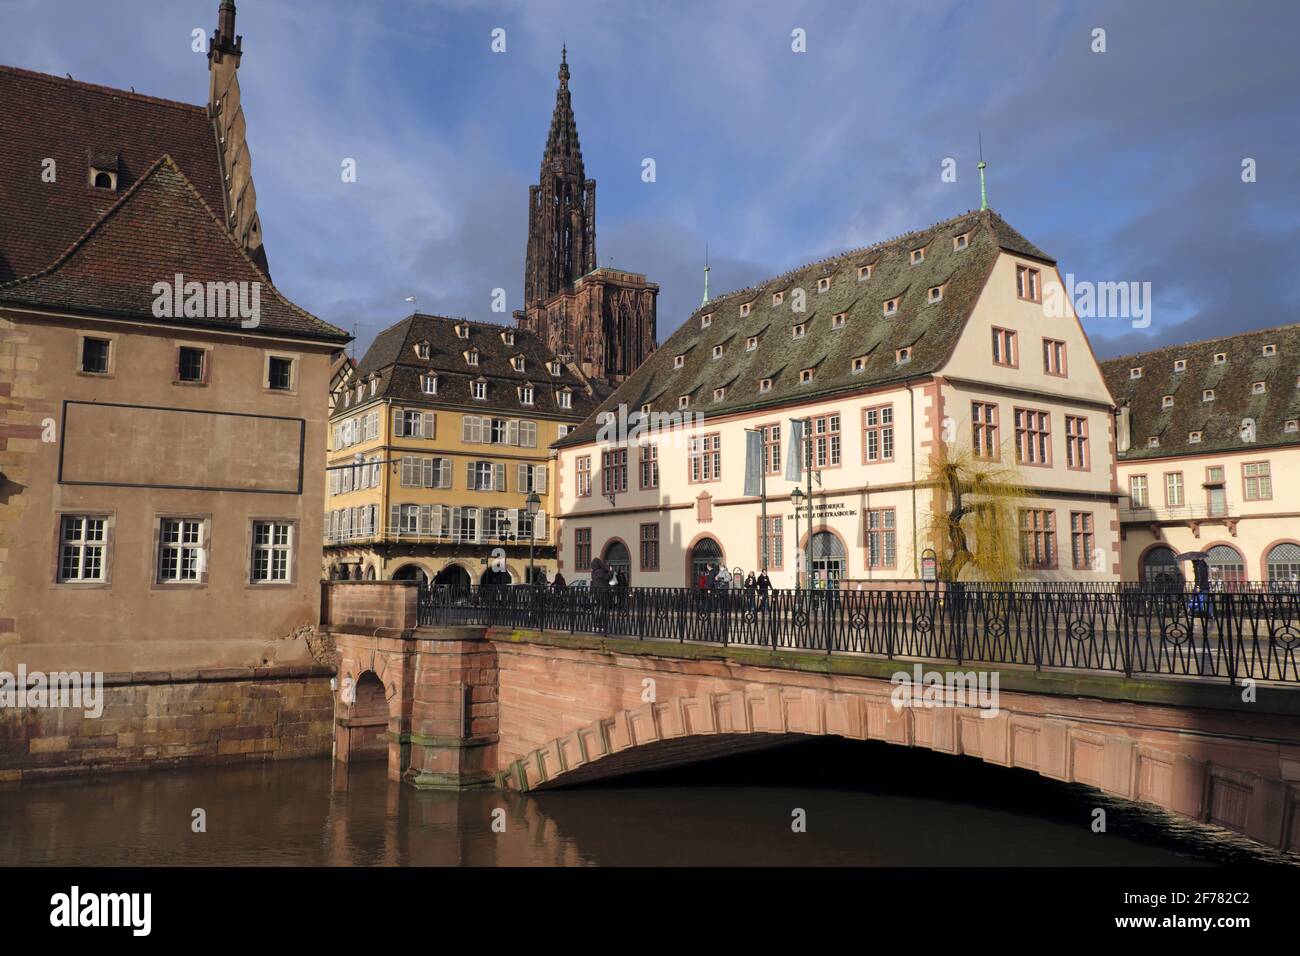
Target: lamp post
[534,503]
[796,499]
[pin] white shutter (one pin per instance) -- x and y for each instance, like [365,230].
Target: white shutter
[539,479]
[397,423]
[528,434]
[455,521]
[512,433]
[425,519]
[469,477]
[477,517]
[429,425]
[394,518]
[435,517]
[444,473]
[427,479]
[512,516]
[500,470]
[521,478]
[539,526]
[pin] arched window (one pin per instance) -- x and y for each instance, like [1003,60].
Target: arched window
[705,552]
[1226,566]
[1283,564]
[618,559]
[1160,568]
[827,559]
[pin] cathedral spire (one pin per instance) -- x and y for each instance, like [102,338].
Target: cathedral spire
[562,140]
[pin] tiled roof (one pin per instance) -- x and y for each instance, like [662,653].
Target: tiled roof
[928,329]
[159,228]
[392,357]
[46,117]
[1233,382]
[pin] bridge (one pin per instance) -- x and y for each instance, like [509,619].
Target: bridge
[1185,701]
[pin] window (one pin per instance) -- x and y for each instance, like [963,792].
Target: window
[1268,350]
[771,545]
[180,546]
[554,368]
[1027,284]
[82,539]
[1033,437]
[751,343]
[1076,443]
[1258,481]
[565,429]
[1220,358]
[1193,438]
[613,470]
[882,544]
[1180,365]
[649,466]
[679,361]
[719,394]
[717,351]
[518,363]
[649,547]
[1167,402]
[891,306]
[482,476]
[279,373]
[103,179]
[778,298]
[1081,539]
[583,477]
[1257,388]
[771,448]
[1004,348]
[935,294]
[1174,497]
[823,284]
[422,350]
[412,423]
[272,551]
[429,384]
[705,458]
[1135,372]
[878,433]
[903,356]
[960,242]
[581,548]
[1037,538]
[744,309]
[864,273]
[917,256]
[525,395]
[531,478]
[858,365]
[826,441]
[1054,357]
[471,357]
[565,399]
[984,430]
[508,337]
[479,391]
[798,331]
[189,364]
[683,401]
[374,386]
[1137,491]
[1292,425]
[838,320]
[765,385]
[94,355]
[1207,395]
[805,375]
[462,331]
[1153,441]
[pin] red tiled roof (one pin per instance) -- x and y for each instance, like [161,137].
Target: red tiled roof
[48,117]
[159,228]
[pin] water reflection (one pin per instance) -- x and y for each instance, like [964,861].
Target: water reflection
[867,804]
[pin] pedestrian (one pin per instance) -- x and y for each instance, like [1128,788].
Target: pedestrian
[713,575]
[559,584]
[600,591]
[764,584]
[702,581]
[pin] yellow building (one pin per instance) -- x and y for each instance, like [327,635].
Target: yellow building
[435,446]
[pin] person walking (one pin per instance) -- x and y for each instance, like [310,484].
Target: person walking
[763,584]
[559,584]
[600,593]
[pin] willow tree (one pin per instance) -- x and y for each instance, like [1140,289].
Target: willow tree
[975,522]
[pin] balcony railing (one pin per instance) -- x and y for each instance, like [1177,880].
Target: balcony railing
[397,534]
[1226,635]
[1187,512]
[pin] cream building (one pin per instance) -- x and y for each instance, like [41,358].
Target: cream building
[436,442]
[1208,434]
[953,334]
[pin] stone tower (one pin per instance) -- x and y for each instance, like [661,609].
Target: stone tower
[602,320]
[224,53]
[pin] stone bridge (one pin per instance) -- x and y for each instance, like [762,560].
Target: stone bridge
[457,707]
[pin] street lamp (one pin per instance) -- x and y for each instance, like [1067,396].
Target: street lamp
[796,499]
[534,503]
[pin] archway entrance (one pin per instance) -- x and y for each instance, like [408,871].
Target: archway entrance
[1160,569]
[411,572]
[452,576]
[499,579]
[827,560]
[1226,566]
[706,552]
[618,559]
[367,719]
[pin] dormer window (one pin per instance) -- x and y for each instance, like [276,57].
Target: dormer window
[805,375]
[1135,372]
[751,343]
[864,273]
[719,394]
[683,401]
[838,320]
[645,409]
[799,330]
[429,384]
[479,390]
[374,386]
[508,337]
[823,283]
[960,242]
[1268,350]
[707,319]
[1257,388]
[935,294]
[891,306]
[778,298]
[564,398]
[103,170]
[422,350]
[555,368]
[765,385]
[462,330]
[917,256]
[1207,395]
[471,357]
[1220,358]
[1153,441]
[1180,365]
[744,309]
[102,179]
[1193,438]
[679,361]
[859,364]
[525,395]
[1167,402]
[903,356]
[518,363]
[717,351]
[1292,425]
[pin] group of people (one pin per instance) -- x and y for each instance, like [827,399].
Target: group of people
[716,577]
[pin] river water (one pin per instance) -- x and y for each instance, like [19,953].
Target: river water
[862,803]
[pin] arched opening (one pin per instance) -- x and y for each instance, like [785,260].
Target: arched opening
[412,572]
[1227,566]
[1283,565]
[496,578]
[367,719]
[1159,568]
[827,560]
[453,576]
[706,551]
[370,573]
[618,559]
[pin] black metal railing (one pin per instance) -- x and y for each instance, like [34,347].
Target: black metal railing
[1224,635]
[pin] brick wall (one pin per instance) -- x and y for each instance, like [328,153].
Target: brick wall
[160,720]
[369,604]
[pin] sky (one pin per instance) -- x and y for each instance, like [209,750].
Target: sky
[1123,163]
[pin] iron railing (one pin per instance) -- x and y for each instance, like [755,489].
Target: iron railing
[1218,635]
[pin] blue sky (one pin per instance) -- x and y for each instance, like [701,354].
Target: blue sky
[1124,165]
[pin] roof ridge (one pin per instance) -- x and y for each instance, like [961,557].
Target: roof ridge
[1197,342]
[98,88]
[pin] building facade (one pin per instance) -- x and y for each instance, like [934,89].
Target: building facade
[602,320]
[436,446]
[941,339]
[1208,433]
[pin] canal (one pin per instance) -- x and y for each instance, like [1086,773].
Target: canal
[862,803]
